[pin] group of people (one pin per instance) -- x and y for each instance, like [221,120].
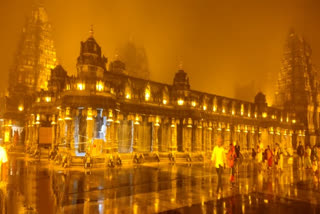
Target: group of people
[309,157]
[220,160]
[266,159]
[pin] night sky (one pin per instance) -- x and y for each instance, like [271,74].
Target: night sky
[230,48]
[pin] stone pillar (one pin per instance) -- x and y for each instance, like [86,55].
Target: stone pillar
[186,132]
[155,140]
[89,130]
[209,140]
[135,134]
[198,137]
[54,131]
[173,131]
[204,138]
[116,127]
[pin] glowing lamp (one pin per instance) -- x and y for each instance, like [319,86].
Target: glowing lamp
[164,101]
[48,99]
[180,102]
[147,95]
[264,114]
[223,110]
[89,114]
[214,108]
[232,112]
[193,103]
[128,96]
[204,107]
[99,86]
[21,108]
[294,121]
[81,86]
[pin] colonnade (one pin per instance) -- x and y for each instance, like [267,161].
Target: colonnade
[103,131]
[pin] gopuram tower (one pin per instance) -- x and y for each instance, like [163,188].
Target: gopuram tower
[34,59]
[298,86]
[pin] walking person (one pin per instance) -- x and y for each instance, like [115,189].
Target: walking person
[231,157]
[269,155]
[308,158]
[300,152]
[314,159]
[218,158]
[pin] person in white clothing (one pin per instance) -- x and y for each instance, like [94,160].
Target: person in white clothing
[219,160]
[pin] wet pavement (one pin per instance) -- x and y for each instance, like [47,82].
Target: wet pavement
[32,186]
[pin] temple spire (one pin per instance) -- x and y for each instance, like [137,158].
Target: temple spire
[91,31]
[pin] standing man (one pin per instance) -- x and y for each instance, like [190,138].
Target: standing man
[218,158]
[300,152]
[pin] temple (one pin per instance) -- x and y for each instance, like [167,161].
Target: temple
[34,59]
[298,86]
[105,115]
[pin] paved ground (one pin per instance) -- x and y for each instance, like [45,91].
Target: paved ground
[38,187]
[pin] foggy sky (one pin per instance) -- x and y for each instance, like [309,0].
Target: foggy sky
[229,48]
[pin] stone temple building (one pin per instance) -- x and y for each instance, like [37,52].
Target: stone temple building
[298,86]
[35,57]
[103,115]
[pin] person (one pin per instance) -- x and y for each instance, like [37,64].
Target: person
[300,152]
[279,158]
[218,158]
[308,158]
[231,157]
[314,159]
[269,155]
[253,154]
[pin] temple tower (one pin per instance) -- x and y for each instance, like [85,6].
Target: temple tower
[297,88]
[36,54]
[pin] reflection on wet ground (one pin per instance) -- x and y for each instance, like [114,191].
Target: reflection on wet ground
[39,187]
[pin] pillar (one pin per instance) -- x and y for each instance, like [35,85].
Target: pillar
[116,136]
[173,135]
[155,140]
[54,130]
[187,137]
[135,133]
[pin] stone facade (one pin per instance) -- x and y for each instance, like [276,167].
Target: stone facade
[107,116]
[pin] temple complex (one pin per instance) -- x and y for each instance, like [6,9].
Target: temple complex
[106,115]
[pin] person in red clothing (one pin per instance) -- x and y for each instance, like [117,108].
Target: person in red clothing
[231,156]
[269,157]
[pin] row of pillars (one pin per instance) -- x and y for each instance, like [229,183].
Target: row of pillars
[182,135]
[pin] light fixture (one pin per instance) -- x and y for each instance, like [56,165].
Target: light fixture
[180,102]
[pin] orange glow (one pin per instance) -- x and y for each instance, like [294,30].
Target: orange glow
[164,101]
[180,102]
[48,99]
[99,86]
[214,108]
[3,155]
[21,108]
[81,86]
[193,103]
